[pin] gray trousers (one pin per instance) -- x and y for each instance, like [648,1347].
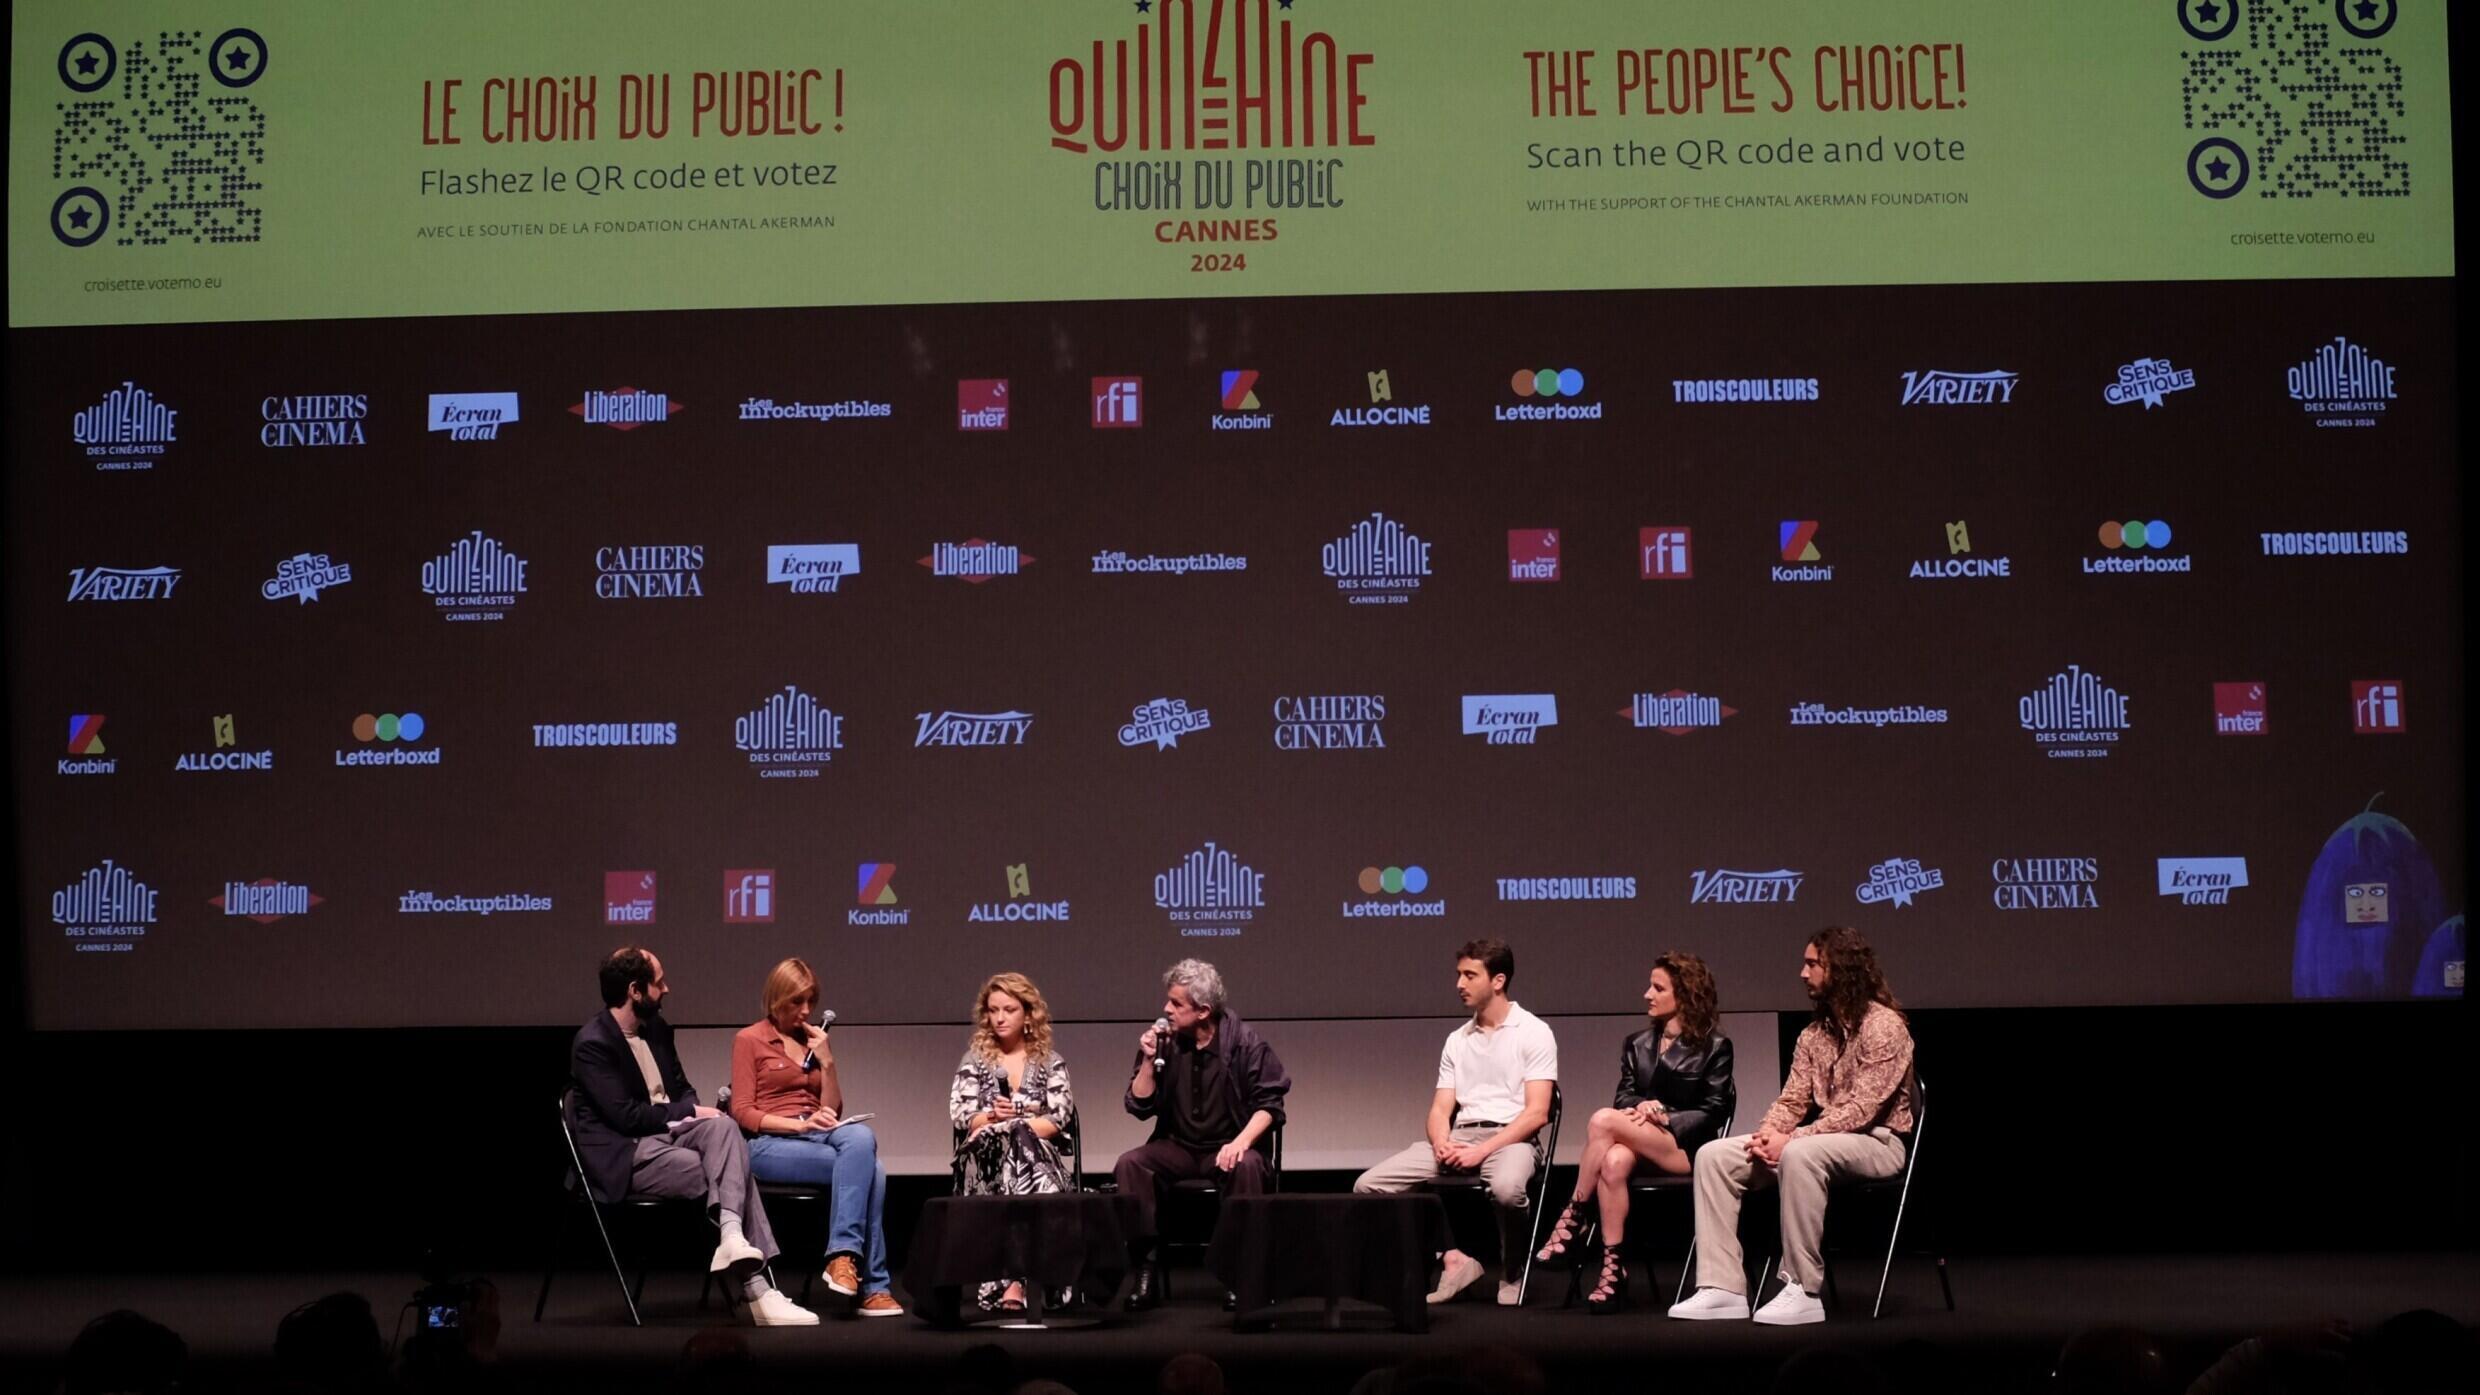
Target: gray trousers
[1725,1172]
[708,1160]
[1508,1173]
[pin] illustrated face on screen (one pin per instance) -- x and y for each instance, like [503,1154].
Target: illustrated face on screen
[2363,903]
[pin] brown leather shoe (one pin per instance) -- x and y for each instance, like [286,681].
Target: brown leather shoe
[880,1305]
[843,1275]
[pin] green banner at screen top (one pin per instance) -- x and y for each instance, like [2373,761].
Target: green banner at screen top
[287,159]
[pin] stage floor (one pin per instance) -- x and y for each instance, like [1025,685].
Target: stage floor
[2013,1313]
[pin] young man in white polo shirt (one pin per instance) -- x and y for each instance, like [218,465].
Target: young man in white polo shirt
[1493,1099]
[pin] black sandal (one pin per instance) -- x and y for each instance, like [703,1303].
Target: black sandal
[1611,1293]
[1569,1225]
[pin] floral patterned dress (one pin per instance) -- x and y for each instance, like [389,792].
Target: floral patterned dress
[1010,1159]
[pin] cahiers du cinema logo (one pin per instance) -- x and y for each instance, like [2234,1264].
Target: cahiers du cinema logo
[316,419]
[159,142]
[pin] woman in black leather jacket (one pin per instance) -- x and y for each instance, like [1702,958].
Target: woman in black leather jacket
[1675,1094]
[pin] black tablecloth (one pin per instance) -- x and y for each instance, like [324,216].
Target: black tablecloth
[1049,1241]
[1376,1248]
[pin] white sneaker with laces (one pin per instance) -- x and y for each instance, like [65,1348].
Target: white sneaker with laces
[1791,1308]
[1711,1305]
[1510,1293]
[1460,1274]
[735,1252]
[772,1309]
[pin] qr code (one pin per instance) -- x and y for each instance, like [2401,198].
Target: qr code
[2293,98]
[157,140]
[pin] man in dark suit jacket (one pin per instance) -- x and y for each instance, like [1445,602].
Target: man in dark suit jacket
[640,1129]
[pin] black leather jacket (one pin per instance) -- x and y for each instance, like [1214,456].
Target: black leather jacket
[1692,1082]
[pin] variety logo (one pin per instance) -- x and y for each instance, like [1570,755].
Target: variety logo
[749,896]
[649,573]
[331,419]
[1566,888]
[390,728]
[2377,707]
[127,430]
[2075,715]
[972,728]
[625,409]
[877,897]
[86,743]
[982,404]
[1817,714]
[1676,712]
[1381,410]
[2239,710]
[1019,906]
[2341,384]
[810,569]
[628,898]
[303,576]
[1703,391]
[472,416]
[1119,403]
[1958,564]
[457,903]
[1897,880]
[2394,543]
[220,759]
[1391,882]
[1241,410]
[975,560]
[1939,388]
[1728,888]
[2136,536]
[475,579]
[852,409]
[1548,384]
[1797,541]
[1155,564]
[107,904]
[578,736]
[789,736]
[2147,380]
[2200,881]
[1509,719]
[1379,562]
[1663,554]
[1210,893]
[1330,722]
[1163,721]
[123,583]
[1532,554]
[2045,884]
[266,900]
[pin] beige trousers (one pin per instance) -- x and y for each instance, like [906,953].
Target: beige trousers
[1725,1172]
[1507,1172]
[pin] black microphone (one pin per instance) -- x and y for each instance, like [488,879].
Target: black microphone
[1162,1038]
[826,1020]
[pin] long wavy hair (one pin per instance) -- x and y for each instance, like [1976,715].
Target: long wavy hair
[1037,1017]
[1700,1002]
[1853,980]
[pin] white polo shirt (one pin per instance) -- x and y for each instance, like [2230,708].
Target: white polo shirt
[1487,1068]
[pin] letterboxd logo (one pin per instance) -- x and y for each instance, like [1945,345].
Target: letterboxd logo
[982,404]
[86,743]
[1163,721]
[313,419]
[749,896]
[952,728]
[266,900]
[876,897]
[1662,553]
[1241,409]
[2342,384]
[2377,707]
[625,409]
[1020,905]
[1509,719]
[303,576]
[1939,387]
[127,430]
[123,583]
[1119,403]
[812,569]
[1796,540]
[2045,884]
[2075,715]
[789,736]
[1897,880]
[1723,887]
[472,416]
[1542,390]
[1532,554]
[396,734]
[2135,548]
[1383,890]
[628,898]
[976,560]
[2200,881]
[1210,894]
[2239,710]
[105,909]
[476,579]
[1378,562]
[1676,712]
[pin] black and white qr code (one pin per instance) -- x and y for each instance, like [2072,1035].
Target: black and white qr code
[157,140]
[2293,99]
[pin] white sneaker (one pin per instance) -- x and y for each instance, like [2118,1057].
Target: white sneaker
[735,1253]
[1457,1278]
[1791,1308]
[772,1309]
[1510,1295]
[1711,1305]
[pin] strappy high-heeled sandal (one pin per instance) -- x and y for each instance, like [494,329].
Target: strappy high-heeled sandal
[1569,1224]
[1611,1293]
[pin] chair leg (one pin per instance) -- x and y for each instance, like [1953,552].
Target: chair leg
[1945,1284]
[551,1265]
[1834,1299]
[1687,1266]
[618,1275]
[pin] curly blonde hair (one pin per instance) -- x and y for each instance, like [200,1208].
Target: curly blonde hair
[1037,1016]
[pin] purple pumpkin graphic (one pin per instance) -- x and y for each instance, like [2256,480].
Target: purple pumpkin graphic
[2373,919]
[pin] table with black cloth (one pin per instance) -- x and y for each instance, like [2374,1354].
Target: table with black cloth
[1375,1248]
[1049,1240]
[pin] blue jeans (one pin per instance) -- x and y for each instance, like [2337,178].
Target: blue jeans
[845,1162]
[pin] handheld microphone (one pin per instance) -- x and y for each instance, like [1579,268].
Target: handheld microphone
[1162,1049]
[826,1021]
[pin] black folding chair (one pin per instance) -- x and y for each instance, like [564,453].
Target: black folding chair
[1643,1188]
[604,1214]
[1539,1188]
[807,1207]
[1205,1195]
[1898,1187]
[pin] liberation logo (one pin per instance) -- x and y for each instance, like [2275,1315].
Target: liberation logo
[476,579]
[749,896]
[589,736]
[462,903]
[1711,391]
[2394,543]
[1330,722]
[789,736]
[471,416]
[2200,881]
[1509,719]
[266,900]
[1797,541]
[1381,410]
[1663,553]
[2133,548]
[2377,707]
[2075,715]
[982,404]
[1676,712]
[1119,403]
[1723,887]
[1381,888]
[1532,554]
[1939,387]
[1119,563]
[649,573]
[953,728]
[2045,884]
[1818,714]
[2342,384]
[625,409]
[1959,564]
[1163,722]
[397,736]
[127,430]
[875,897]
[107,904]
[1566,888]
[168,157]
[1378,562]
[2239,710]
[222,757]
[1210,894]
[850,409]
[2147,380]
[812,569]
[1020,907]
[123,583]
[975,560]
[1896,881]
[329,419]
[86,746]
[303,576]
[1542,391]
[1241,411]
[628,898]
